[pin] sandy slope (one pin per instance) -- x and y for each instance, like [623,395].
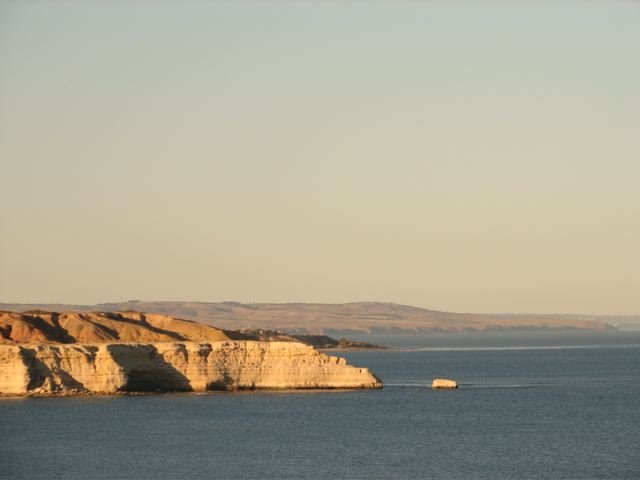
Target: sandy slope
[103,327]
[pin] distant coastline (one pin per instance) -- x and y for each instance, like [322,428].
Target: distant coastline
[345,319]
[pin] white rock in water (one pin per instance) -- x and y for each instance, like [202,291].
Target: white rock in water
[444,383]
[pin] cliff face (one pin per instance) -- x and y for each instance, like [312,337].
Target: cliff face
[176,366]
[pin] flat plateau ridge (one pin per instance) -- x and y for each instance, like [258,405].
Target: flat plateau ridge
[319,318]
[45,353]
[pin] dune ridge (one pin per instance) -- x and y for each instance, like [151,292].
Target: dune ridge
[104,327]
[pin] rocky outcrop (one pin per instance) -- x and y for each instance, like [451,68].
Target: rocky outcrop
[109,368]
[444,383]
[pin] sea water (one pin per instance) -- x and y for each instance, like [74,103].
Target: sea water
[528,407]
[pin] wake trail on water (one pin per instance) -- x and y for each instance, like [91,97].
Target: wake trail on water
[474,386]
[489,349]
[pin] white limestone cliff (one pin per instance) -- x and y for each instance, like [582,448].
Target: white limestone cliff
[175,366]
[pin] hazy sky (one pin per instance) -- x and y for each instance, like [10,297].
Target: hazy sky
[480,156]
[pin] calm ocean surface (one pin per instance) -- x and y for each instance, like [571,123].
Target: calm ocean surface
[547,406]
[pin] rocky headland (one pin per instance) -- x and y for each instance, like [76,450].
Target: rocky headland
[324,342]
[48,353]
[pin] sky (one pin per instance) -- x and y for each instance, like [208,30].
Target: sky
[463,156]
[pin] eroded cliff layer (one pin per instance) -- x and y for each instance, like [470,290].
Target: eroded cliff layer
[173,366]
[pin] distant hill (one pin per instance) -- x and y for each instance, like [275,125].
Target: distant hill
[335,319]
